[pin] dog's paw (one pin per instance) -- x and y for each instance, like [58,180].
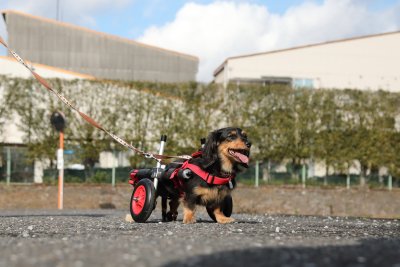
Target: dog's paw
[189,219]
[225,220]
[171,216]
[128,218]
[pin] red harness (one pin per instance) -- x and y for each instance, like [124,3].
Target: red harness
[206,176]
[178,182]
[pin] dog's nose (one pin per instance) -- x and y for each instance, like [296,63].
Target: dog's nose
[248,144]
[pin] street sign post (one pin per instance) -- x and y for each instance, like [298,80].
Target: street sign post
[58,121]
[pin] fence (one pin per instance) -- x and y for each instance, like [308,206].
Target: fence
[14,165]
[251,177]
[97,175]
[15,168]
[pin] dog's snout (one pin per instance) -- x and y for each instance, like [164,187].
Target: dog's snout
[248,144]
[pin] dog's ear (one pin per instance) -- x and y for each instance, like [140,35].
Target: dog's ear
[210,150]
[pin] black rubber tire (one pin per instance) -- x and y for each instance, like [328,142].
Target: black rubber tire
[226,208]
[148,194]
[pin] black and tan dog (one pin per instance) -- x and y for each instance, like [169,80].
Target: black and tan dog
[224,151]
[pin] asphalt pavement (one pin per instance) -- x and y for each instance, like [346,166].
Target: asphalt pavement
[105,238]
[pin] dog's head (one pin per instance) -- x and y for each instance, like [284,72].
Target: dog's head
[228,146]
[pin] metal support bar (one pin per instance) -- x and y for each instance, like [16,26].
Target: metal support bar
[160,152]
[113,169]
[257,173]
[8,165]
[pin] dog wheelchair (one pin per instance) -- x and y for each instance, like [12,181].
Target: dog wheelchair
[146,187]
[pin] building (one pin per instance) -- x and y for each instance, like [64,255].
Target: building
[11,68]
[101,55]
[64,51]
[13,165]
[368,63]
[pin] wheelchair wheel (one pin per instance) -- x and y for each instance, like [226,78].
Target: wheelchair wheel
[226,208]
[142,200]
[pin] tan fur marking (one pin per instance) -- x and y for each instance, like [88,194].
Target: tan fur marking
[188,215]
[208,195]
[221,218]
[227,160]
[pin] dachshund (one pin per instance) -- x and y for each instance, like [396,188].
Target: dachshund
[225,150]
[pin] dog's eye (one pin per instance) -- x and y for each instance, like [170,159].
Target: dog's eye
[231,137]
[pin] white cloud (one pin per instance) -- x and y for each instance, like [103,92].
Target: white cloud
[222,29]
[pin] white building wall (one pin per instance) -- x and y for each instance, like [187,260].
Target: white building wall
[10,67]
[371,62]
[11,134]
[108,159]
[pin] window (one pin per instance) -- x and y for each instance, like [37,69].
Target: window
[303,83]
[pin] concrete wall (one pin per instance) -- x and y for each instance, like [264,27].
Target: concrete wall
[101,55]
[368,63]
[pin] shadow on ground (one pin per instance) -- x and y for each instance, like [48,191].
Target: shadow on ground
[369,252]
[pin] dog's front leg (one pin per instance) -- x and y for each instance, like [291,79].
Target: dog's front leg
[189,212]
[172,214]
[221,218]
[164,207]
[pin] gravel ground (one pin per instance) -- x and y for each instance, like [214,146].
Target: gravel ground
[104,238]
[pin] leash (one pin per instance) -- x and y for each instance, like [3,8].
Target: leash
[88,119]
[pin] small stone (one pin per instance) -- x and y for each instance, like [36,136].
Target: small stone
[361,259]
[277,229]
[25,234]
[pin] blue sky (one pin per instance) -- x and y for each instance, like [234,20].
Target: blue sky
[215,30]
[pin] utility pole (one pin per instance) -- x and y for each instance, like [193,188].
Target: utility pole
[58,10]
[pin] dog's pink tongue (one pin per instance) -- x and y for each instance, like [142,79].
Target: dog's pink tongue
[241,157]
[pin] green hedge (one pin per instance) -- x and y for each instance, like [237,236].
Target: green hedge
[339,127]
